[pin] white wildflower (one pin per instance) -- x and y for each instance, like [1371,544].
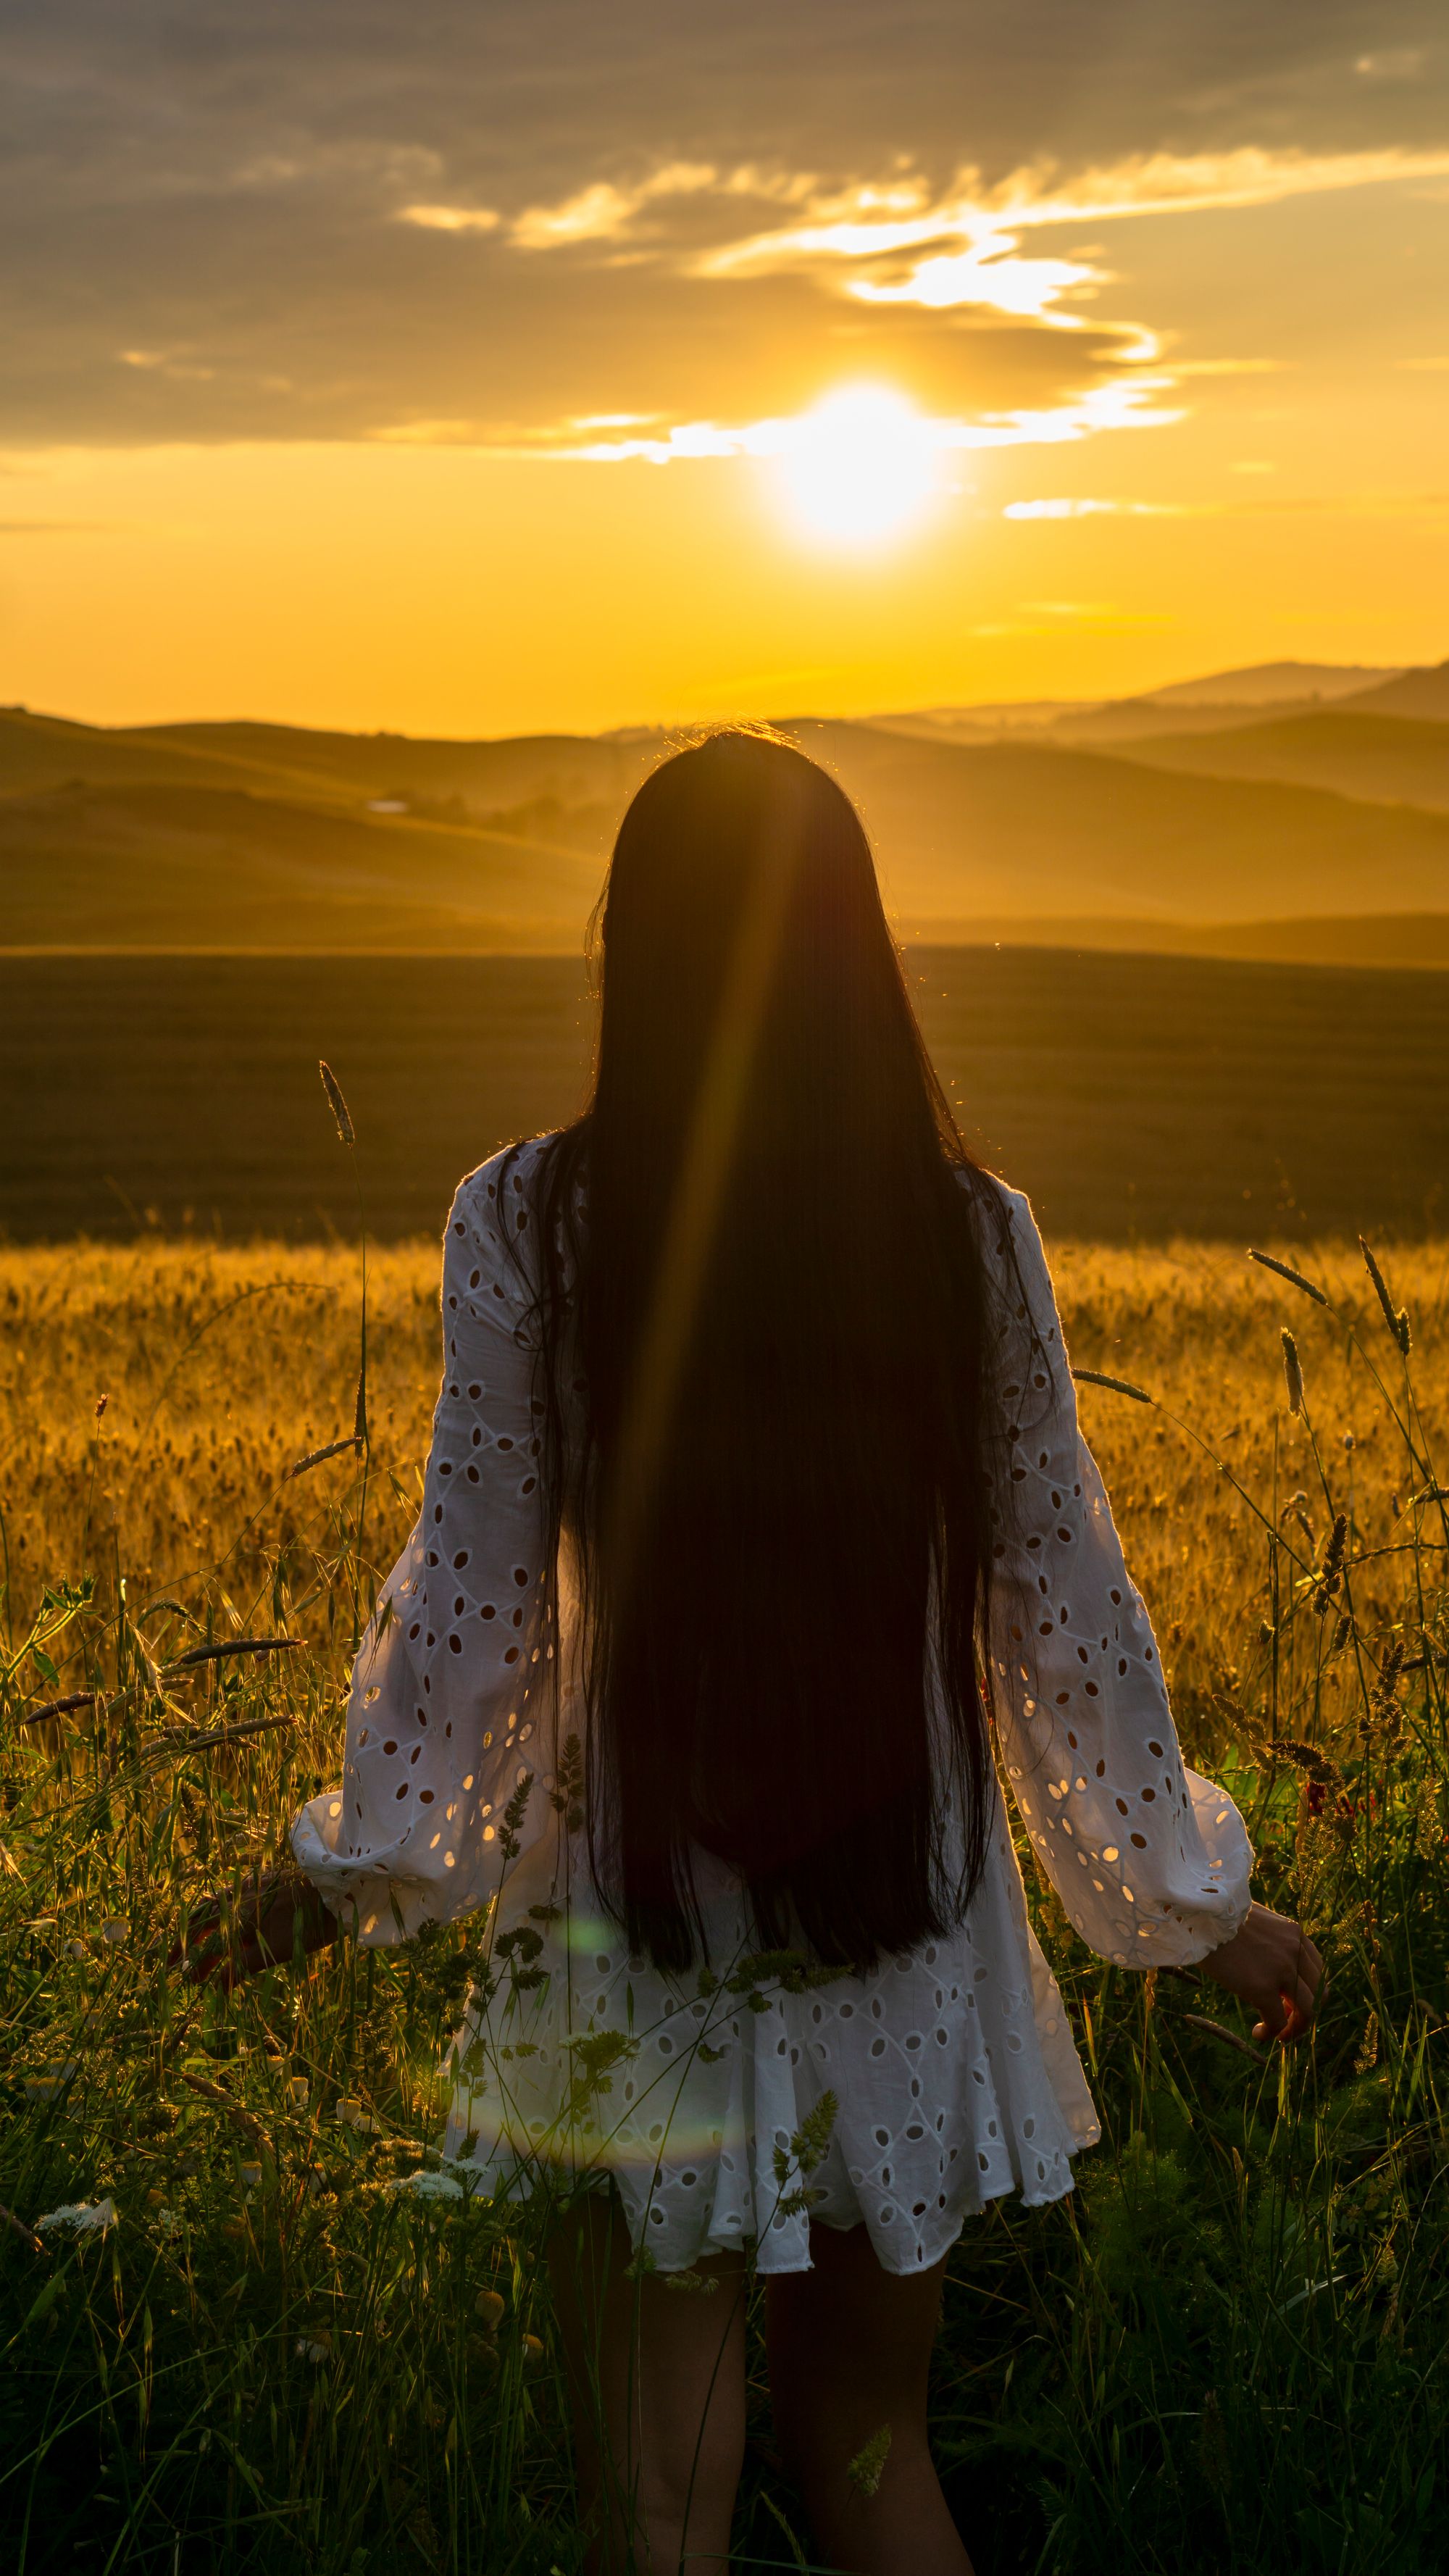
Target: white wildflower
[81,2217]
[115,1932]
[426,2186]
[315,2347]
[251,2175]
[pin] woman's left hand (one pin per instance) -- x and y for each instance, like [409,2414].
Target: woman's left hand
[235,1941]
[1273,1966]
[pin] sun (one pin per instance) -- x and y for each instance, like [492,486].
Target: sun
[860,468]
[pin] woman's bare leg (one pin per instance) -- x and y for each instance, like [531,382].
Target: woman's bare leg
[850,2349]
[657,2383]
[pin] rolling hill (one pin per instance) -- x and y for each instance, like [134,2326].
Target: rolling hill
[1423,694]
[273,838]
[1265,684]
[1381,759]
[1222,698]
[1006,828]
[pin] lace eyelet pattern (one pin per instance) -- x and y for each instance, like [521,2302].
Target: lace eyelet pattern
[953,2067]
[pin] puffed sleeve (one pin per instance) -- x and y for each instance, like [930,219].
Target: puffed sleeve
[1150,1860]
[445,1722]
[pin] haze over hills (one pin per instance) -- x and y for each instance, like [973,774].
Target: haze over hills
[1382,759]
[1190,815]
[1222,698]
[1421,695]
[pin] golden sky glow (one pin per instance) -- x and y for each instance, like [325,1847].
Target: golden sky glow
[352,424]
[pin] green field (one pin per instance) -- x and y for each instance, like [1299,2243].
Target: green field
[1130,1094]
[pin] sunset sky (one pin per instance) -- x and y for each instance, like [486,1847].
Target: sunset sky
[481,368]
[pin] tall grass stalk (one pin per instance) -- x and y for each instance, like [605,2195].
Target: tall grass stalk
[305,2344]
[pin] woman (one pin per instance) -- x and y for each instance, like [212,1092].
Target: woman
[755,1491]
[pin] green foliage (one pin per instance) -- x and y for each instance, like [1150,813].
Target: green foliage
[303,2344]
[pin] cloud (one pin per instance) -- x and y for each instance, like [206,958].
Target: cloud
[606,213]
[1125,403]
[893,245]
[1399,63]
[891,240]
[1086,509]
[180,370]
[327,221]
[451,219]
[1325,505]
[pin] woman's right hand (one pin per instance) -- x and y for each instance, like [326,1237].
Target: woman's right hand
[1271,1964]
[261,1932]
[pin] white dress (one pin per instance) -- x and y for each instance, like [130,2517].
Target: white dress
[953,2070]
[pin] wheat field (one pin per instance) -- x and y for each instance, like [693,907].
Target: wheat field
[1225,2351]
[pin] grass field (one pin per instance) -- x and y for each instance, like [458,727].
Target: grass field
[1226,2352]
[1130,1095]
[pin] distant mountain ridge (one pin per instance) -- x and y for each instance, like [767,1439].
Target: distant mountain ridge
[1220,697]
[1212,815]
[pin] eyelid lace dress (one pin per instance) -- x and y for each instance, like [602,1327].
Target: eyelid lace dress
[952,2067]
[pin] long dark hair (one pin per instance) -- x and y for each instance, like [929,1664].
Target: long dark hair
[761,1346]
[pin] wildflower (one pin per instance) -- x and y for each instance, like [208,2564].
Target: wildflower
[532,2350]
[315,2347]
[489,2304]
[251,2175]
[423,2185]
[115,1933]
[80,2217]
[300,2091]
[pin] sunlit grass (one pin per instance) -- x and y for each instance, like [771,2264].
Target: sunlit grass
[1225,2351]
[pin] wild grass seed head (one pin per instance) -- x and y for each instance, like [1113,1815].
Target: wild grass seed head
[1396,1317]
[1330,1572]
[1285,1271]
[340,1111]
[1292,1372]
